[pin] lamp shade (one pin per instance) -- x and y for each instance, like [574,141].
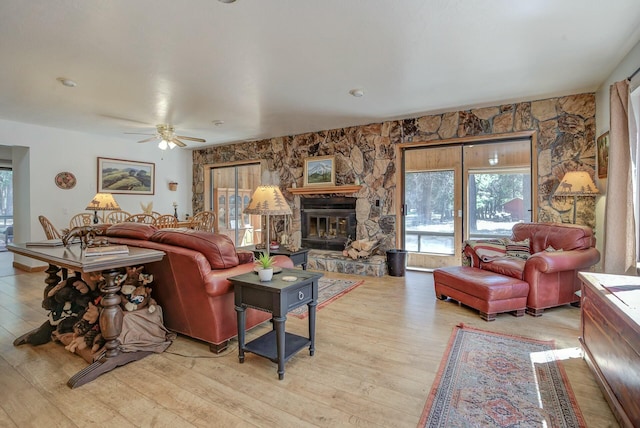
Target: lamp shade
[576,183]
[103,202]
[267,200]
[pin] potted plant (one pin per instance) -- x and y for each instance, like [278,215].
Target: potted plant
[265,263]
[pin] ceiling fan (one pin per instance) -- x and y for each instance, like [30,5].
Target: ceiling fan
[167,136]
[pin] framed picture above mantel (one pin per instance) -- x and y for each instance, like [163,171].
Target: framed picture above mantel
[320,171]
[126,177]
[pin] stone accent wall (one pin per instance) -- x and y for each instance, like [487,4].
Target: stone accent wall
[565,128]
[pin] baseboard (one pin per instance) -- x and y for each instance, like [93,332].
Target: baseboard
[29,268]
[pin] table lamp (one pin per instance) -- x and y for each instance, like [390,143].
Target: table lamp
[576,183]
[267,200]
[102,202]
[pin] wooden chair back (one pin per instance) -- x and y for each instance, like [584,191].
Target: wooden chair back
[140,218]
[114,217]
[50,230]
[165,221]
[82,219]
[205,220]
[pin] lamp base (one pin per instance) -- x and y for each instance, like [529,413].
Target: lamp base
[96,220]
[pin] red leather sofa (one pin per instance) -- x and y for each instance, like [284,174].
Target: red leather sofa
[558,252]
[190,282]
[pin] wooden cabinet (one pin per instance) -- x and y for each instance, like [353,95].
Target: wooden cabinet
[610,329]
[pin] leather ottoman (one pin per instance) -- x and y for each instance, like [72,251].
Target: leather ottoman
[488,292]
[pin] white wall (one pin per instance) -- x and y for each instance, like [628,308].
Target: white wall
[627,66]
[39,153]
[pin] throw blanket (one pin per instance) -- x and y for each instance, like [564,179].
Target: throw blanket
[144,331]
[488,249]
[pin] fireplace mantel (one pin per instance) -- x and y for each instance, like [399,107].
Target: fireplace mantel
[318,190]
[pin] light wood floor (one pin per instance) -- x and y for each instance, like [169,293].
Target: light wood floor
[378,349]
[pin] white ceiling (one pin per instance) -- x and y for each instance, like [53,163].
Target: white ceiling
[281,67]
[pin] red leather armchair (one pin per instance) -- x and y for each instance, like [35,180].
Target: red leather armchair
[551,275]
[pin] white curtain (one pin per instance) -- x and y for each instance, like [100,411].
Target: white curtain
[634,144]
[620,232]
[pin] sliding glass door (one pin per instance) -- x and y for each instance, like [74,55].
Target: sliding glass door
[230,190]
[465,191]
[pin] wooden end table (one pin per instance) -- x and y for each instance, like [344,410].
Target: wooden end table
[298,257]
[278,297]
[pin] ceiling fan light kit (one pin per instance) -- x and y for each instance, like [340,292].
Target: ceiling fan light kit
[168,138]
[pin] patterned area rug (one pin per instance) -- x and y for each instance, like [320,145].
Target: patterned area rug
[493,380]
[328,291]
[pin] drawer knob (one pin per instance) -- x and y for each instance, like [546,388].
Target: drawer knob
[300,295]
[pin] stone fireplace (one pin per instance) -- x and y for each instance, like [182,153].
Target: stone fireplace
[327,223]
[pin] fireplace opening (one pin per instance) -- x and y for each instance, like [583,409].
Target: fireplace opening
[328,223]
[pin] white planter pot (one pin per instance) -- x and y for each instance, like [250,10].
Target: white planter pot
[265,274]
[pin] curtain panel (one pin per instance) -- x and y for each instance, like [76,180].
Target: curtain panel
[619,246]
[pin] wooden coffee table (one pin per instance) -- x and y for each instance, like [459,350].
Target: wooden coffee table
[278,297]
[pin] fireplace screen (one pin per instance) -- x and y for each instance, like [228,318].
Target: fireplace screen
[327,223]
[327,227]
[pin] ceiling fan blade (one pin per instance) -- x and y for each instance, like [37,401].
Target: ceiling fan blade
[139,133]
[200,140]
[178,142]
[147,139]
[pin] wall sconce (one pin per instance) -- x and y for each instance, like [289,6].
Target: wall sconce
[173,186]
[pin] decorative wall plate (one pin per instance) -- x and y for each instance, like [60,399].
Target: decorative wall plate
[65,180]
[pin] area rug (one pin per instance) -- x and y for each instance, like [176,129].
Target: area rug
[494,380]
[328,291]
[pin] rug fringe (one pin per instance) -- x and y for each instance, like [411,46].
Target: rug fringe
[514,336]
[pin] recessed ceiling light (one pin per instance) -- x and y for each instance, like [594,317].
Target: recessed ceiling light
[67,82]
[218,122]
[357,92]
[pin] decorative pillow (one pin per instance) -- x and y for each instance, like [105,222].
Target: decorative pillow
[519,249]
[245,256]
[218,249]
[488,249]
[131,230]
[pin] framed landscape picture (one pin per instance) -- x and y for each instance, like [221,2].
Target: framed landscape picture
[126,177]
[320,171]
[603,154]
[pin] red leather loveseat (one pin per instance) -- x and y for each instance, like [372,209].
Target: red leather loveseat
[190,282]
[557,252]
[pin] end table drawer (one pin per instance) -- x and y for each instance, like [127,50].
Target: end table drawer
[299,296]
